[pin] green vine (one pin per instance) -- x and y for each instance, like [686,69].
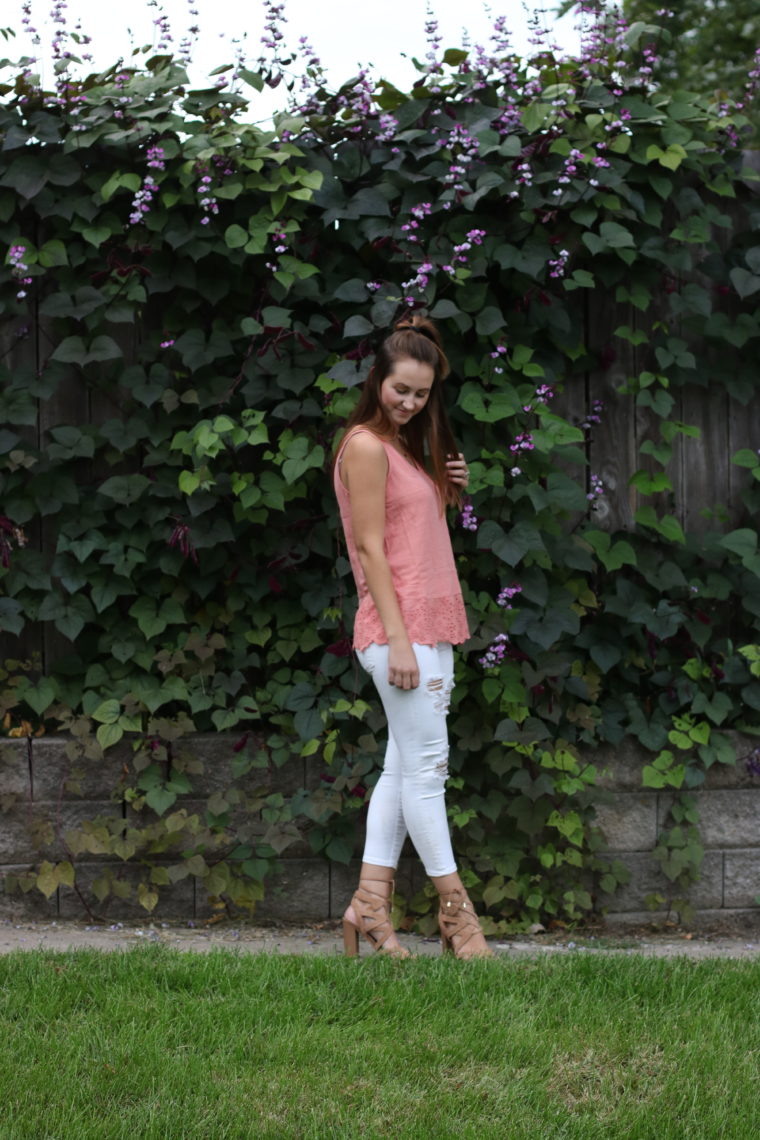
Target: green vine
[187,306]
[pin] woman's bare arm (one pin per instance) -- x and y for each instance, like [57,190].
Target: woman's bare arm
[364,471]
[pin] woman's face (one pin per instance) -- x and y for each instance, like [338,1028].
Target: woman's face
[406,389]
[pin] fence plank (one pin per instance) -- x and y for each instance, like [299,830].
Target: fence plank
[612,443]
[67,406]
[703,463]
[18,353]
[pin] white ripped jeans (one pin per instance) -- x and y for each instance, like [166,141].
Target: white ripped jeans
[409,796]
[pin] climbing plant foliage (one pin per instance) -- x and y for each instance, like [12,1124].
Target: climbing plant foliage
[188,304]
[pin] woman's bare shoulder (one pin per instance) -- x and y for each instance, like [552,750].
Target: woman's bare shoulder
[362,443]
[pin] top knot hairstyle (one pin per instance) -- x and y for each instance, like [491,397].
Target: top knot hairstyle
[428,433]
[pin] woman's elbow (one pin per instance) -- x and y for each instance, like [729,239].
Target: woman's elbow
[368,551]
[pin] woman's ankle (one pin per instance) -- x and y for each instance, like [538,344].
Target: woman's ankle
[446,884]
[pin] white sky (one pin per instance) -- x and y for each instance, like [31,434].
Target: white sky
[344,33]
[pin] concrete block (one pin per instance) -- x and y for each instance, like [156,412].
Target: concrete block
[739,919]
[646,879]
[734,775]
[728,818]
[301,892]
[619,766]
[15,773]
[16,845]
[68,815]
[51,768]
[176,901]
[741,886]
[23,906]
[244,827]
[216,751]
[628,821]
[33,833]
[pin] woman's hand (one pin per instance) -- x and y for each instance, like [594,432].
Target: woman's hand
[403,670]
[458,472]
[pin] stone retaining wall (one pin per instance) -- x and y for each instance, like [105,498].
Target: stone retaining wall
[310,888]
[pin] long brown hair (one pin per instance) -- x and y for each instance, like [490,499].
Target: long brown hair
[414,337]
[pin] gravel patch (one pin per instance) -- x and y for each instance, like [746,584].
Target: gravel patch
[326,938]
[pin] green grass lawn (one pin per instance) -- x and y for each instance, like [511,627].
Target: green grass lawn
[156,1044]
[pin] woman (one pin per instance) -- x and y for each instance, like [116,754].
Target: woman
[410,614]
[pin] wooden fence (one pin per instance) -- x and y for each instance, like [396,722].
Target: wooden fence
[706,485]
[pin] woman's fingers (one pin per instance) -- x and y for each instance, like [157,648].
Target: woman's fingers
[403,677]
[404,680]
[458,471]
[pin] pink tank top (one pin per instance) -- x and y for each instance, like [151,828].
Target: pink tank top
[418,548]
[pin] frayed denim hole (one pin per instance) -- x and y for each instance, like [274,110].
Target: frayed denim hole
[441,694]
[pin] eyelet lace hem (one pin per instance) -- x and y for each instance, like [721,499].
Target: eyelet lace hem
[427,621]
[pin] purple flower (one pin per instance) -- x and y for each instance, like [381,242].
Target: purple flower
[142,200]
[597,488]
[495,653]
[467,519]
[523,442]
[506,594]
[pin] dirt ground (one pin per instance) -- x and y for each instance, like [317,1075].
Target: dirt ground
[741,941]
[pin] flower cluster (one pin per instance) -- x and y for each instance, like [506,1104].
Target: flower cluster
[523,442]
[388,125]
[602,36]
[57,15]
[498,353]
[156,158]
[161,24]
[142,200]
[208,202]
[26,23]
[464,149]
[273,37]
[569,171]
[279,241]
[507,594]
[419,281]
[434,39]
[186,45]
[418,212]
[596,488]
[595,415]
[468,519]
[9,534]
[523,176]
[557,265]
[752,84]
[474,237]
[495,653]
[180,537]
[19,269]
[544,393]
[649,62]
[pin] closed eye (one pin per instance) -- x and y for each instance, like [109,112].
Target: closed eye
[421,394]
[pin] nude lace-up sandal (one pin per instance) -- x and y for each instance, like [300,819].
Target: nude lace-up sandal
[372,919]
[460,929]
